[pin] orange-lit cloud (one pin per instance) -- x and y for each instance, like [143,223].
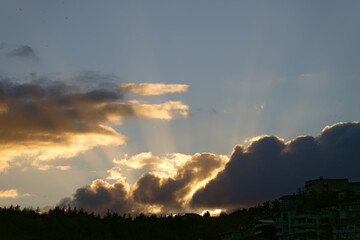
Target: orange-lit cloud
[266,169]
[43,120]
[146,89]
[166,165]
[115,173]
[3,108]
[44,166]
[166,111]
[12,193]
[270,167]
[170,186]
[173,191]
[257,138]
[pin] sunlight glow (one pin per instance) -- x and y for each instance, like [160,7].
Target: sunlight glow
[166,165]
[146,89]
[254,139]
[201,184]
[213,213]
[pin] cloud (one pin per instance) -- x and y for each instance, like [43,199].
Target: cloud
[115,173]
[269,167]
[43,166]
[167,165]
[154,191]
[63,168]
[101,196]
[12,193]
[146,89]
[254,139]
[166,111]
[172,192]
[42,119]
[24,51]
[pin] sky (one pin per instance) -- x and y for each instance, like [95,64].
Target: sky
[175,106]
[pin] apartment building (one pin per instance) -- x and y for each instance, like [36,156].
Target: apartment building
[300,224]
[323,186]
[306,216]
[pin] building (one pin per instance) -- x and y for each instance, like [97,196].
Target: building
[232,235]
[355,187]
[327,209]
[347,223]
[349,230]
[300,224]
[265,229]
[323,186]
[256,229]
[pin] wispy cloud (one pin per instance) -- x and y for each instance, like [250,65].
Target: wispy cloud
[166,111]
[44,166]
[146,89]
[12,193]
[167,165]
[24,51]
[115,173]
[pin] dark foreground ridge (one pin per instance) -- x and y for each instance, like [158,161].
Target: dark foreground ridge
[324,209]
[61,223]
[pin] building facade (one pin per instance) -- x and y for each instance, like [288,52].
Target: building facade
[327,209]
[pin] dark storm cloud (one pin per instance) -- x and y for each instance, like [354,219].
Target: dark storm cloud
[99,197]
[269,167]
[23,51]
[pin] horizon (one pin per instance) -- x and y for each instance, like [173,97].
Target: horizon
[161,107]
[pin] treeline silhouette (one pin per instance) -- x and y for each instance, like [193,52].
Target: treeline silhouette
[68,223]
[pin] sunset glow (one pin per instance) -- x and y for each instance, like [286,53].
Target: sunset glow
[175,107]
